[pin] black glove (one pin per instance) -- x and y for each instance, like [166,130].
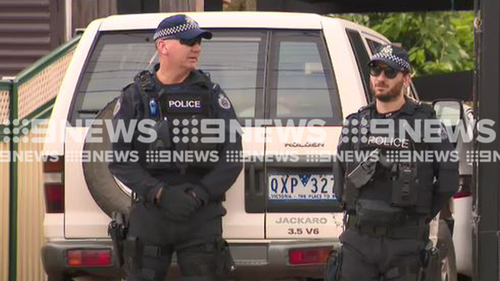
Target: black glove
[177,204]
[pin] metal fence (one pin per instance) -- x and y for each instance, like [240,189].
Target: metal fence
[30,96]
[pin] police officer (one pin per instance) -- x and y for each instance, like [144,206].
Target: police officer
[389,188]
[178,195]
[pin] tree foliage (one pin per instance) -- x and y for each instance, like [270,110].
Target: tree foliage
[438,42]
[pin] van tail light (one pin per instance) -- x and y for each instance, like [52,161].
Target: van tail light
[88,258]
[53,177]
[308,256]
[462,195]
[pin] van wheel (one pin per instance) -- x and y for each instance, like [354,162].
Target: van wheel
[447,253]
[108,195]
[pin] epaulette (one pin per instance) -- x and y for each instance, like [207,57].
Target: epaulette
[128,85]
[352,115]
[361,110]
[366,107]
[425,108]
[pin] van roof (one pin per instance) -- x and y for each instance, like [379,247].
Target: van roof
[219,20]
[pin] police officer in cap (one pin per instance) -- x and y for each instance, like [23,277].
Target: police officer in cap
[178,195]
[391,191]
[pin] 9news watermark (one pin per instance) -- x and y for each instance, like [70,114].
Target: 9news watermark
[306,140]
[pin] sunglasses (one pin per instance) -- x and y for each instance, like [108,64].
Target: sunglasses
[191,42]
[187,42]
[390,73]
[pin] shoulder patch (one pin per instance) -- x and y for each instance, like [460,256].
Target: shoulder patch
[118,105]
[224,101]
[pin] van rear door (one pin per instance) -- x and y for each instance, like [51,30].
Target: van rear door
[304,105]
[236,59]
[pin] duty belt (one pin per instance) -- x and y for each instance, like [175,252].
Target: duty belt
[418,230]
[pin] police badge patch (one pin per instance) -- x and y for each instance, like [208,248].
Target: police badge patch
[224,102]
[117,107]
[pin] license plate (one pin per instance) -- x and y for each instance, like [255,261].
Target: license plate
[301,187]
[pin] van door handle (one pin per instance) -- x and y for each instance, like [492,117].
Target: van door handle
[255,200]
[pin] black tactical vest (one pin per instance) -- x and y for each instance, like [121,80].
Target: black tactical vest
[179,114]
[399,186]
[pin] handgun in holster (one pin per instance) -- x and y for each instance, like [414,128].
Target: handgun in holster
[117,229]
[431,264]
[333,265]
[225,263]
[365,170]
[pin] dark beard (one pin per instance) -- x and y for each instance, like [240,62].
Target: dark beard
[393,94]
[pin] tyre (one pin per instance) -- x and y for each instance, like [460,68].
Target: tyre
[107,193]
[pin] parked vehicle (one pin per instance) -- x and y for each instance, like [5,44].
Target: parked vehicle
[284,67]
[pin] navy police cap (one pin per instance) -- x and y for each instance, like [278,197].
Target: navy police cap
[180,27]
[394,56]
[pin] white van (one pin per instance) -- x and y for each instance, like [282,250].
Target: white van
[283,67]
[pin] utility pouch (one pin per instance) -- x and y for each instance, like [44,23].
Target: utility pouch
[117,230]
[163,139]
[363,173]
[159,150]
[131,253]
[333,266]
[404,193]
[431,264]
[377,213]
[225,262]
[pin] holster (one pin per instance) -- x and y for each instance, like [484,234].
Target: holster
[333,266]
[117,230]
[131,252]
[225,262]
[431,264]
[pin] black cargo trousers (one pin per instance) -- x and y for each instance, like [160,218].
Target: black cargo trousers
[370,257]
[152,239]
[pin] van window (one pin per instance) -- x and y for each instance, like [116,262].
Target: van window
[118,56]
[373,45]
[362,59]
[302,83]
[236,60]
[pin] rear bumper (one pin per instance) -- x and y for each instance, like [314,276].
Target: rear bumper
[252,259]
[54,260]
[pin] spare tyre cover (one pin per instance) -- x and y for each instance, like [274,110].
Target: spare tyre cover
[103,186]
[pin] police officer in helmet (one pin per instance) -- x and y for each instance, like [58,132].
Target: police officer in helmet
[388,188]
[178,194]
